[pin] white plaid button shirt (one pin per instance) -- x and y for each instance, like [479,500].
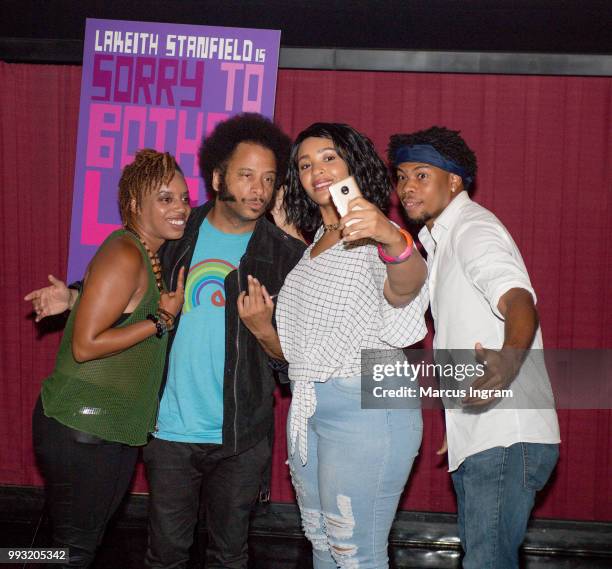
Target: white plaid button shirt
[329,309]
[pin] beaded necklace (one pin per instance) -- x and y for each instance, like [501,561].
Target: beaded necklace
[155,262]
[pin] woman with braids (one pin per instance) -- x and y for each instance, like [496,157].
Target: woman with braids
[100,402]
[358,286]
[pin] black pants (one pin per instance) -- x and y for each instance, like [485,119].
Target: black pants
[84,484]
[176,473]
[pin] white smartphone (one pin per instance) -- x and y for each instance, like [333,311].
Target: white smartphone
[343,192]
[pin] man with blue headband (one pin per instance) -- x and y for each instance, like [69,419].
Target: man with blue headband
[482,300]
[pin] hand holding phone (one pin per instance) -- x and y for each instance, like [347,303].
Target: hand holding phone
[342,193]
[376,225]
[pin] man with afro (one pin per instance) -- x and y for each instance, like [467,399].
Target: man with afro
[214,429]
[482,300]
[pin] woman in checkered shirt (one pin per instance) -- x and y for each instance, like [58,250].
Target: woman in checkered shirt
[358,286]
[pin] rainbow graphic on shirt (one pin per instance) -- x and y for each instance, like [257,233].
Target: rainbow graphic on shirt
[207,273]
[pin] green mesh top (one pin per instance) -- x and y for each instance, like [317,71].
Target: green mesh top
[115,397]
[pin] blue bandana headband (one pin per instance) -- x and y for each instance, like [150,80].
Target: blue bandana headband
[427,154]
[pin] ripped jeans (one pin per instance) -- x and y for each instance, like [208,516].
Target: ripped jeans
[358,464]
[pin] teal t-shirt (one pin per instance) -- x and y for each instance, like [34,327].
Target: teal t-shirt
[191,408]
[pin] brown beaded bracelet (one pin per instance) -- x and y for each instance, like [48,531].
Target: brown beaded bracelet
[168,318]
[160,325]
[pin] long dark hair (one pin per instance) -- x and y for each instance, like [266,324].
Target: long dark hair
[363,163]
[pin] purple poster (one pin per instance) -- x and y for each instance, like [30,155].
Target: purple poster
[162,86]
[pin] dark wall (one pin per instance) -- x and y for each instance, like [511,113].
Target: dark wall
[547,26]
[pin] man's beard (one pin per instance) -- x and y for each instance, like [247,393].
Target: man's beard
[224,195]
[420,219]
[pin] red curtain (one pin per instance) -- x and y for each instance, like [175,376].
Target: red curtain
[544,150]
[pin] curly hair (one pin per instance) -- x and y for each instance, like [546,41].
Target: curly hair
[218,147]
[149,171]
[362,161]
[447,142]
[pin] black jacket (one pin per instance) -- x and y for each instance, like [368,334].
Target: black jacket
[248,379]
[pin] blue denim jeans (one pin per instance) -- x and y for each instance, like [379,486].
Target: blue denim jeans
[495,494]
[358,464]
